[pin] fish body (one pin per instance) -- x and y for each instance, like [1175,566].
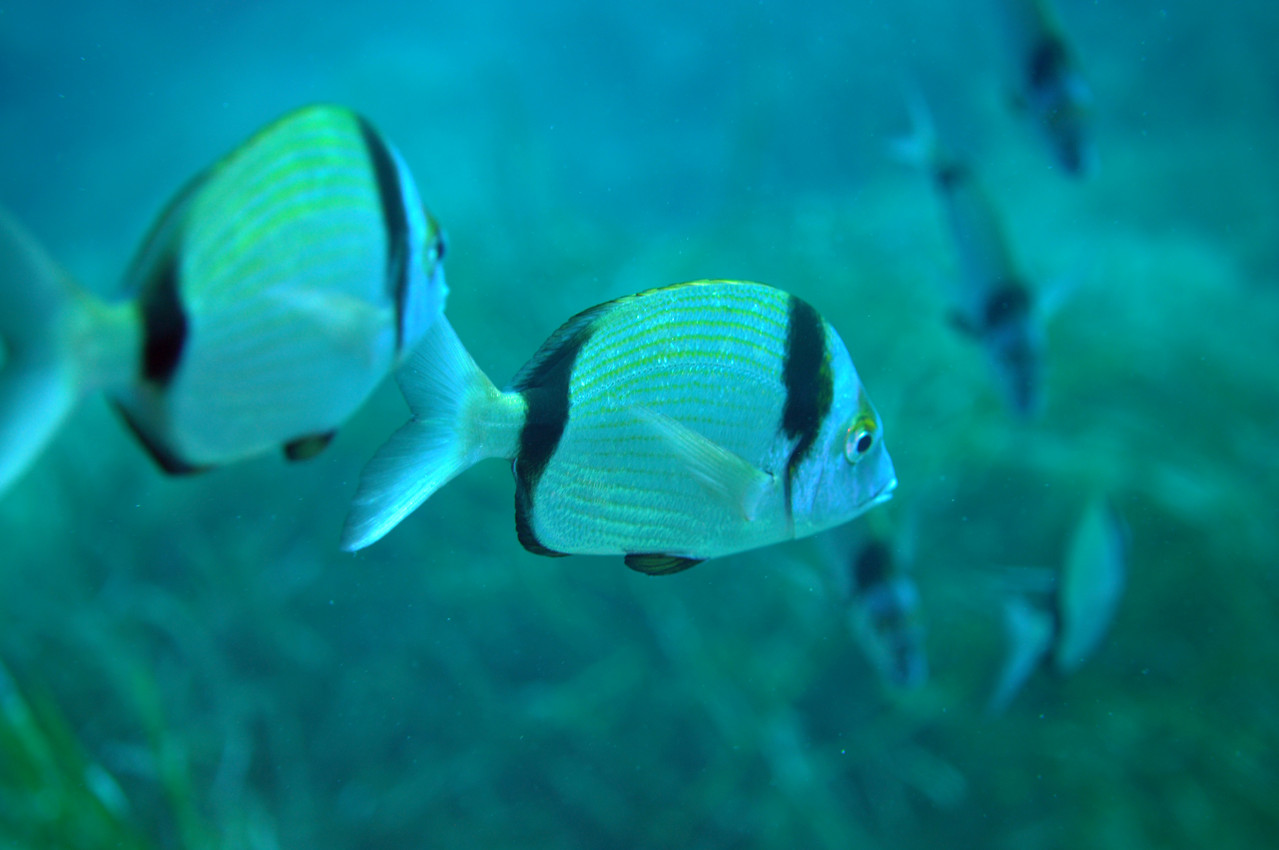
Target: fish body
[269,299]
[1050,84]
[1063,633]
[1091,585]
[994,306]
[885,616]
[672,426]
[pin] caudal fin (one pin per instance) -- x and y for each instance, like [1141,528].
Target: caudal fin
[1030,634]
[56,342]
[919,148]
[459,418]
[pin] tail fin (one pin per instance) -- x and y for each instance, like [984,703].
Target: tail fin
[920,148]
[459,418]
[56,342]
[1030,635]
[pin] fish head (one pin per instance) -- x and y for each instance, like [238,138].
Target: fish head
[848,470]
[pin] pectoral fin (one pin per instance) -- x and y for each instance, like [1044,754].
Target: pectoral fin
[725,475]
[353,324]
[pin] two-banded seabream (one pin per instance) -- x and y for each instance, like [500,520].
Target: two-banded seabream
[270,298]
[671,426]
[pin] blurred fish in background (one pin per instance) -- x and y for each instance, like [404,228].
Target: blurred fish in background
[996,306]
[671,426]
[270,298]
[1049,87]
[1083,597]
[870,572]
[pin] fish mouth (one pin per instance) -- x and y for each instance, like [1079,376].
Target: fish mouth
[885,493]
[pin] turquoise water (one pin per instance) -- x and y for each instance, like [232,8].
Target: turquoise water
[193,663]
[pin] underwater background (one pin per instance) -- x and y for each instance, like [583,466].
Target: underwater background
[192,663]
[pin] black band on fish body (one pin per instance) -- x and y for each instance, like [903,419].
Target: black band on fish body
[395,217]
[164,457]
[545,390]
[873,565]
[524,526]
[1046,63]
[948,174]
[1006,304]
[164,323]
[808,383]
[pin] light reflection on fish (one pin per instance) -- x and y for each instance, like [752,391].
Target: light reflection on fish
[1083,599]
[1050,86]
[672,426]
[270,298]
[996,307]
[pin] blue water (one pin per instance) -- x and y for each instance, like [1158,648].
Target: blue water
[195,664]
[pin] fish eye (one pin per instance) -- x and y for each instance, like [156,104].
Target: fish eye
[860,438]
[435,248]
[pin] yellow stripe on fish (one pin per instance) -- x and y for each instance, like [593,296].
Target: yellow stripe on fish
[671,426]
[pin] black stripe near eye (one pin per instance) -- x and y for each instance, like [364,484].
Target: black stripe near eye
[391,195]
[807,379]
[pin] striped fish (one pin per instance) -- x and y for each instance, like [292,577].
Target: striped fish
[885,615]
[270,298]
[995,307]
[669,427]
[1085,595]
[1051,89]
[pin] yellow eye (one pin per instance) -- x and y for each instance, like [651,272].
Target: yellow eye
[860,438]
[434,239]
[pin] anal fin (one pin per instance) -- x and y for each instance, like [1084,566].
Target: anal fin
[305,448]
[660,565]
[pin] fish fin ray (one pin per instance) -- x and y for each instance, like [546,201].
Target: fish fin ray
[459,418]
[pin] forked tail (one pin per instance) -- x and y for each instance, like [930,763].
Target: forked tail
[459,418]
[56,342]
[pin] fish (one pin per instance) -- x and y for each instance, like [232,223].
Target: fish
[1050,86]
[885,615]
[1064,633]
[271,296]
[996,306]
[672,426]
